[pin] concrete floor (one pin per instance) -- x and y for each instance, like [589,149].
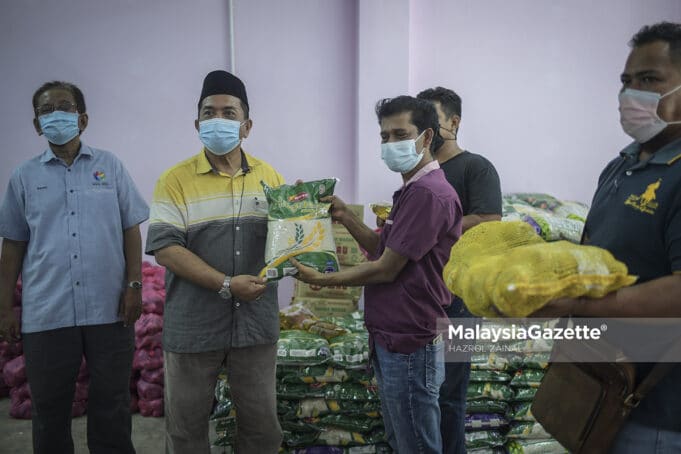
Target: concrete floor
[15,434]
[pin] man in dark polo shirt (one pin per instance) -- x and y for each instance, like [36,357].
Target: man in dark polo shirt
[636,215]
[405,293]
[477,183]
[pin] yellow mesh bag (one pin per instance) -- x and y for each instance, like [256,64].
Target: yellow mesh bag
[505,268]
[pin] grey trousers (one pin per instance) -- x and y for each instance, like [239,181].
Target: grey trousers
[52,361]
[190,380]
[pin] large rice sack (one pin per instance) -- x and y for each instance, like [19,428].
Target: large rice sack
[299,226]
[506,269]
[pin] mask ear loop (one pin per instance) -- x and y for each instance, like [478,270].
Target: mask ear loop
[451,131]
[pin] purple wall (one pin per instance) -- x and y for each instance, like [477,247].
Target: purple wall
[139,64]
[539,81]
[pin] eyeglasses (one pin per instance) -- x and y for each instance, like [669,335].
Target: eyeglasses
[64,106]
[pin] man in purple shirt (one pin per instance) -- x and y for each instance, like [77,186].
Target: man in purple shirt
[405,293]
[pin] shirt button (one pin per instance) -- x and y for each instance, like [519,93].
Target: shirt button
[238,252]
[238,228]
[629,172]
[68,170]
[72,213]
[75,256]
[237,304]
[77,282]
[73,234]
[71,190]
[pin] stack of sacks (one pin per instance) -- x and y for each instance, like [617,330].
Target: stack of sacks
[551,218]
[326,397]
[500,392]
[326,400]
[80,398]
[148,361]
[153,289]
[14,373]
[147,380]
[10,350]
[339,300]
[487,403]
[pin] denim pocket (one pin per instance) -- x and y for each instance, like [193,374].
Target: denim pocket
[435,367]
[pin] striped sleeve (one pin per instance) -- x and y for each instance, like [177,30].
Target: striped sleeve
[168,219]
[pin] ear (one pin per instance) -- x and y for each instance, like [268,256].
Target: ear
[246,127]
[428,136]
[36,125]
[196,124]
[82,122]
[455,121]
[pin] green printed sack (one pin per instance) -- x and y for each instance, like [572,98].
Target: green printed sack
[302,348]
[350,350]
[299,226]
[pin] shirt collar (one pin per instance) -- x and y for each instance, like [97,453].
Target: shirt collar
[203,165]
[48,155]
[425,170]
[668,154]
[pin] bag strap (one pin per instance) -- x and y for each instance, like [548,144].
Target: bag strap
[656,374]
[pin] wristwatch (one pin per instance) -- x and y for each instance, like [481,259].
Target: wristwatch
[135,284]
[226,291]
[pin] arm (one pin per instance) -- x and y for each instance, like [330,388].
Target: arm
[657,298]
[187,265]
[472,220]
[384,270]
[11,260]
[366,237]
[131,303]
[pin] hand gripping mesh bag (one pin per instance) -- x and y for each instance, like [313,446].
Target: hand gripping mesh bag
[299,226]
[506,269]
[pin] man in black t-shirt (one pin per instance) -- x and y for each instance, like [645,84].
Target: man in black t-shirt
[477,183]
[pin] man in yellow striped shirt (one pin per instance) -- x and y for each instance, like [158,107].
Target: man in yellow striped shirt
[208,227]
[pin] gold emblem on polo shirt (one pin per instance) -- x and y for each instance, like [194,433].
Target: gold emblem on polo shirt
[646,202]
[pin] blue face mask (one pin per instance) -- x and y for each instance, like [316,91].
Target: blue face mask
[220,136]
[401,156]
[59,127]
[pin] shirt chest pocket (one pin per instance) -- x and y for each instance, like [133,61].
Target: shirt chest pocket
[98,203]
[44,201]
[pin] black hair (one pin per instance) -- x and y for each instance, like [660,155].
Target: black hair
[662,31]
[57,84]
[448,99]
[423,115]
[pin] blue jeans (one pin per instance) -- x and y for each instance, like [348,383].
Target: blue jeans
[453,393]
[635,438]
[409,386]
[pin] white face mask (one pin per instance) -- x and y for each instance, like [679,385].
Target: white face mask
[401,156]
[638,114]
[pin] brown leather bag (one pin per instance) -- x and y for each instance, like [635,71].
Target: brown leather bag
[584,405]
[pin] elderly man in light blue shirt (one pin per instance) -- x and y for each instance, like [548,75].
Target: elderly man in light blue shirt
[70,225]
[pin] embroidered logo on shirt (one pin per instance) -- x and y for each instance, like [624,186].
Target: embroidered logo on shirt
[99,175]
[646,202]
